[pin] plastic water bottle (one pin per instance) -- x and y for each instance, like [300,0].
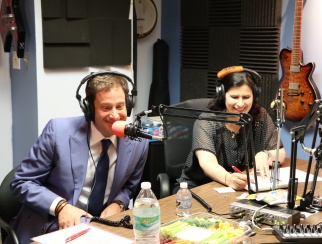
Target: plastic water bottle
[183,200]
[146,212]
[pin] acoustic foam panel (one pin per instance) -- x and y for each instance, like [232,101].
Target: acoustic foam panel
[53,8]
[60,56]
[99,28]
[109,43]
[77,9]
[66,31]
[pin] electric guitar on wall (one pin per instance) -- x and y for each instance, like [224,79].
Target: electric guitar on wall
[11,27]
[300,92]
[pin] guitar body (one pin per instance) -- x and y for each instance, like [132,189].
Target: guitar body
[299,90]
[11,27]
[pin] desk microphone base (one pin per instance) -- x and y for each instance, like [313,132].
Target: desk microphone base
[270,215]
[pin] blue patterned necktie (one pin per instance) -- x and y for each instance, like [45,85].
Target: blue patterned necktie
[96,198]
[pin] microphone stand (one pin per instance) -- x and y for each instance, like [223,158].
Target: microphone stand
[298,134]
[279,123]
[307,198]
[244,119]
[315,200]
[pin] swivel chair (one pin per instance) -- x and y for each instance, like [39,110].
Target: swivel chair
[178,144]
[9,208]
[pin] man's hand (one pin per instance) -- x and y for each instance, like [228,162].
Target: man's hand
[70,216]
[112,209]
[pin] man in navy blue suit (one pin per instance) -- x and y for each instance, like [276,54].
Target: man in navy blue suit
[54,182]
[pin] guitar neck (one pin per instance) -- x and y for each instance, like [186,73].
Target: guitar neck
[296,49]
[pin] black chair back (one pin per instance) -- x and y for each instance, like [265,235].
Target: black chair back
[9,207]
[180,129]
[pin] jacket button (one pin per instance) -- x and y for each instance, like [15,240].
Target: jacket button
[43,229]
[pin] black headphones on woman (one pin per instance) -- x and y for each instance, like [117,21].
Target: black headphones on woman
[88,107]
[220,89]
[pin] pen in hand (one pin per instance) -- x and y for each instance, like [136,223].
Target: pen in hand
[240,172]
[237,170]
[73,237]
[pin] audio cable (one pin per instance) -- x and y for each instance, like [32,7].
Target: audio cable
[238,214]
[254,221]
[259,218]
[125,222]
[203,202]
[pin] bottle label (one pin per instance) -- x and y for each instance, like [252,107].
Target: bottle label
[147,223]
[183,204]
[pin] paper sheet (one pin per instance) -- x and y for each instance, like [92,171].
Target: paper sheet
[95,235]
[224,189]
[265,185]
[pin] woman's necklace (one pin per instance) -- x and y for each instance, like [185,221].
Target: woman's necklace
[234,130]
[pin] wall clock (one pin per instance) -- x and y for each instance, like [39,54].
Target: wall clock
[146,15]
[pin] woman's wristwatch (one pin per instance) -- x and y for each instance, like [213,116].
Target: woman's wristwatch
[269,154]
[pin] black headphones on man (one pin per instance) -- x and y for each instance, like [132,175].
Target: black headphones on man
[88,107]
[220,89]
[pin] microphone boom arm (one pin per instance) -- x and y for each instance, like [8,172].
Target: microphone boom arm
[244,119]
[298,135]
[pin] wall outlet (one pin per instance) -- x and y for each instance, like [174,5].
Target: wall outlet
[15,60]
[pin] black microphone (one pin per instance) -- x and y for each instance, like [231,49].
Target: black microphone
[122,129]
[276,104]
[143,113]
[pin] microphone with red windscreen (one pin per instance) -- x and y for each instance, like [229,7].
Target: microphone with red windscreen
[122,129]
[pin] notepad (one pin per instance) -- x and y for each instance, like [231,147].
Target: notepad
[94,235]
[284,176]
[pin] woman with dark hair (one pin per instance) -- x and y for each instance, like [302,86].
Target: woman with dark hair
[218,146]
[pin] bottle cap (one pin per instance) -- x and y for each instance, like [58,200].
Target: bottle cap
[146,185]
[183,185]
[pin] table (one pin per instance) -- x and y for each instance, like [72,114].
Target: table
[220,203]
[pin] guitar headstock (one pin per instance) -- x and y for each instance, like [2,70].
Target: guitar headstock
[11,27]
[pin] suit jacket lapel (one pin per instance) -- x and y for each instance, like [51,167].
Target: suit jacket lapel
[79,158]
[126,146]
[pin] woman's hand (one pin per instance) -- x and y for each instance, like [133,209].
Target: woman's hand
[236,181]
[263,161]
